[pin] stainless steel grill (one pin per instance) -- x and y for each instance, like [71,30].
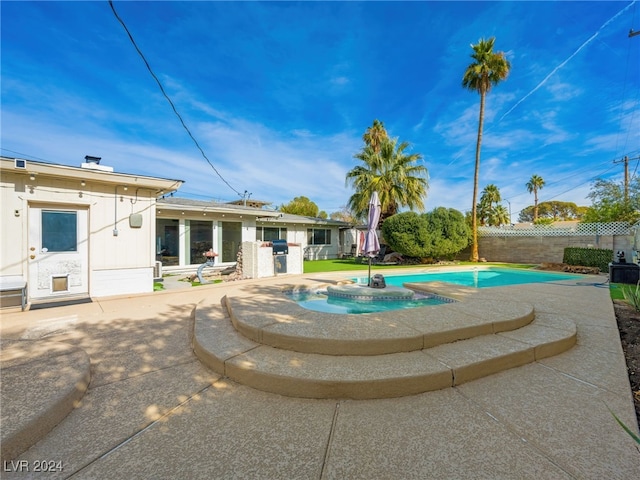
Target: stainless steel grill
[280,247]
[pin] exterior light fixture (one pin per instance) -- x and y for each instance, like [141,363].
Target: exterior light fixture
[82,183]
[32,177]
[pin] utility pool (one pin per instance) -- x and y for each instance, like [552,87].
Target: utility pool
[478,278]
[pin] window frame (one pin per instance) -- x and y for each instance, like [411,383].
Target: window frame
[313,234]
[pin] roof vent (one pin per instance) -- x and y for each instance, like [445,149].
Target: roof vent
[90,159]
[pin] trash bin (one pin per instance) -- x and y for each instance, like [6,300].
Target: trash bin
[624,273]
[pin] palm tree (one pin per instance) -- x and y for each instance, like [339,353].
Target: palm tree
[375,135]
[396,175]
[498,216]
[533,185]
[487,69]
[490,195]
[483,211]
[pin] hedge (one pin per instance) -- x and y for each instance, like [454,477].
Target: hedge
[588,257]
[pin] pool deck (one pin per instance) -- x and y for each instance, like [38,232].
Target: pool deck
[146,406]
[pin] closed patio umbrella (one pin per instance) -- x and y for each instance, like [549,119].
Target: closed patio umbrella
[371,242]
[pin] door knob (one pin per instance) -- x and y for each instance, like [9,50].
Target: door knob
[32,257]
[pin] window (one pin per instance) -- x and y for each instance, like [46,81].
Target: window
[167,241]
[230,238]
[59,231]
[200,240]
[318,236]
[267,234]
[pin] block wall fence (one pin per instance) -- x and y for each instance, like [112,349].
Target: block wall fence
[540,246]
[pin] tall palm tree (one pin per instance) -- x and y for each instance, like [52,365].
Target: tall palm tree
[533,185]
[395,174]
[375,135]
[487,69]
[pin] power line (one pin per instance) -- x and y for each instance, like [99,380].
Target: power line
[113,9]
[26,155]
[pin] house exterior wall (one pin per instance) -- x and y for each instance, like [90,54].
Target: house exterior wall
[296,234]
[13,241]
[116,264]
[322,252]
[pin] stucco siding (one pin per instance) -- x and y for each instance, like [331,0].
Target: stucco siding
[123,281]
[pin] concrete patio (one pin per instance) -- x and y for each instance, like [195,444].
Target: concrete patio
[151,409]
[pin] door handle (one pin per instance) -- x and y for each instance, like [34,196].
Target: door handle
[32,256]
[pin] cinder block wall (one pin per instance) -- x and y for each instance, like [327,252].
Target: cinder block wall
[539,249]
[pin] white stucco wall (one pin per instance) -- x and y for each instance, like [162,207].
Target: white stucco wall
[117,264]
[121,281]
[258,261]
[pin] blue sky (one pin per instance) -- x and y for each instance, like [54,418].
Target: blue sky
[278,94]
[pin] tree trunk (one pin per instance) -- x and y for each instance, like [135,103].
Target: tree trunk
[474,214]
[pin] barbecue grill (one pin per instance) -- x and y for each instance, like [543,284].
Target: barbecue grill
[280,247]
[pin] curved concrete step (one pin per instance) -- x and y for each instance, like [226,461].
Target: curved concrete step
[223,349]
[42,381]
[279,322]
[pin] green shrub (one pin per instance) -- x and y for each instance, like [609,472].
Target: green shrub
[407,234]
[588,257]
[440,233]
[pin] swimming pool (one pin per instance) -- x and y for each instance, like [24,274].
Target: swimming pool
[477,278]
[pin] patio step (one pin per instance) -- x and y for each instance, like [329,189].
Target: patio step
[42,382]
[277,348]
[283,324]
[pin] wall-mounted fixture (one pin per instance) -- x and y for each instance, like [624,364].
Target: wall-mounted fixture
[32,177]
[135,220]
[82,183]
[16,213]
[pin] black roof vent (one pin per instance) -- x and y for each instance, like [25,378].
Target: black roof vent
[91,159]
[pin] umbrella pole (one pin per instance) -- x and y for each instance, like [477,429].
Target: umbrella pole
[369,281]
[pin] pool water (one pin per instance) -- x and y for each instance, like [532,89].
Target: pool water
[477,278]
[320,302]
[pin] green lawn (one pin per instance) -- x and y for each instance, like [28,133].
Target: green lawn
[615,289]
[320,266]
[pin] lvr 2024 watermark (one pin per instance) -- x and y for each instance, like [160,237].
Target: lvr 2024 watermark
[33,466]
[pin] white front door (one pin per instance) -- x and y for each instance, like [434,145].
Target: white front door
[58,252]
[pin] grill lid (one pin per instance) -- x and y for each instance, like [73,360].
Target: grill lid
[280,247]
